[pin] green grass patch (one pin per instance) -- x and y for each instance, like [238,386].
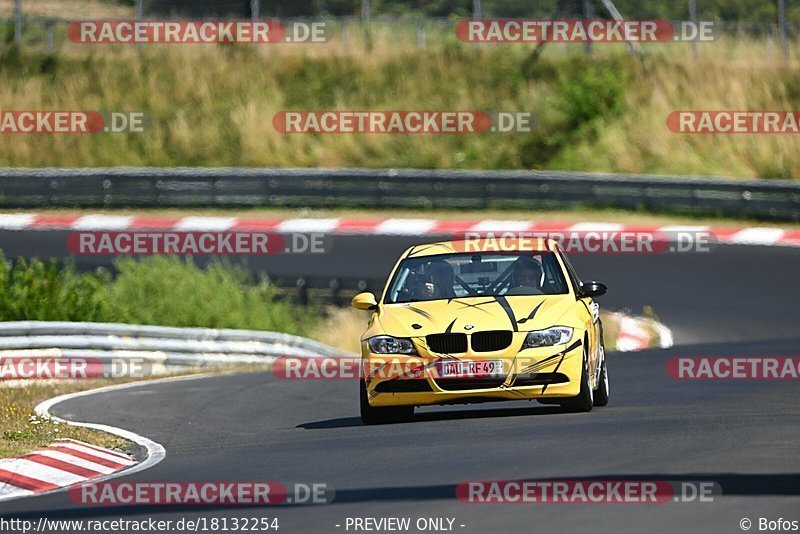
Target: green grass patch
[23,431]
[158,290]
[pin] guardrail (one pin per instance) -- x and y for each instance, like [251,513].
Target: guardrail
[160,348]
[413,189]
[335,290]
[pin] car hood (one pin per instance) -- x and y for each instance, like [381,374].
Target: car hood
[474,314]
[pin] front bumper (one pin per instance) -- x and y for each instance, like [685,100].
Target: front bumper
[544,372]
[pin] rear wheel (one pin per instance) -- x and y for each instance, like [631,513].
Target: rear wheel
[371,415]
[584,400]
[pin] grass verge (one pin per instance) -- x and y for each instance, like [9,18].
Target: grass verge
[24,431]
[605,113]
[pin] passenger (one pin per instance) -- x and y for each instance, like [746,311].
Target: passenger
[526,276]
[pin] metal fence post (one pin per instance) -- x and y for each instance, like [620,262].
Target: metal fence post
[302,291]
[770,46]
[335,286]
[138,14]
[18,22]
[588,15]
[364,10]
[782,27]
[48,36]
[477,13]
[255,9]
[693,19]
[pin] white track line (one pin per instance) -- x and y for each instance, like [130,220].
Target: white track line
[74,460]
[405,226]
[307,225]
[103,222]
[16,221]
[37,471]
[688,229]
[8,492]
[93,452]
[596,227]
[501,226]
[96,448]
[205,224]
[757,236]
[665,337]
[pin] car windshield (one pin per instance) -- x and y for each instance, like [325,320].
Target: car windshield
[472,275]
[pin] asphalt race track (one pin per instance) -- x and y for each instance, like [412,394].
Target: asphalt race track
[734,301]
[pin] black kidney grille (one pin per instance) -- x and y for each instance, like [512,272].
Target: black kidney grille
[447,343]
[491,340]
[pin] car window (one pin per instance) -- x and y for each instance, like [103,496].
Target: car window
[573,274]
[470,275]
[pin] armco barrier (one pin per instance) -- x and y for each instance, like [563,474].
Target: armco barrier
[415,189]
[161,347]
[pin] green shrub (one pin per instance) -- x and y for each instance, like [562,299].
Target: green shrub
[590,91]
[168,291]
[42,291]
[157,290]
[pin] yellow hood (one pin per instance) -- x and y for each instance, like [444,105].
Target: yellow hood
[517,313]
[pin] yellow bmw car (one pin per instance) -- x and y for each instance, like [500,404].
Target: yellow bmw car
[474,321]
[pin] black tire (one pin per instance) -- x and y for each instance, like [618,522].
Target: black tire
[601,393]
[584,400]
[379,416]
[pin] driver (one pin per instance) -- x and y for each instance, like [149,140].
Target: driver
[414,288]
[526,275]
[441,279]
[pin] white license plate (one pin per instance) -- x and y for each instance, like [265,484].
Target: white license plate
[470,369]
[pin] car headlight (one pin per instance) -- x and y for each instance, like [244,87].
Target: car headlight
[555,335]
[391,345]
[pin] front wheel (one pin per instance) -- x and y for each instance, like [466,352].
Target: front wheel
[601,393]
[371,415]
[584,400]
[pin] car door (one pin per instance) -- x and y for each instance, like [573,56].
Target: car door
[592,311]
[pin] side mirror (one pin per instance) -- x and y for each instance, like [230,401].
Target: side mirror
[364,301]
[592,289]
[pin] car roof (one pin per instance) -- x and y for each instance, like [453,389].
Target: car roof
[483,244]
